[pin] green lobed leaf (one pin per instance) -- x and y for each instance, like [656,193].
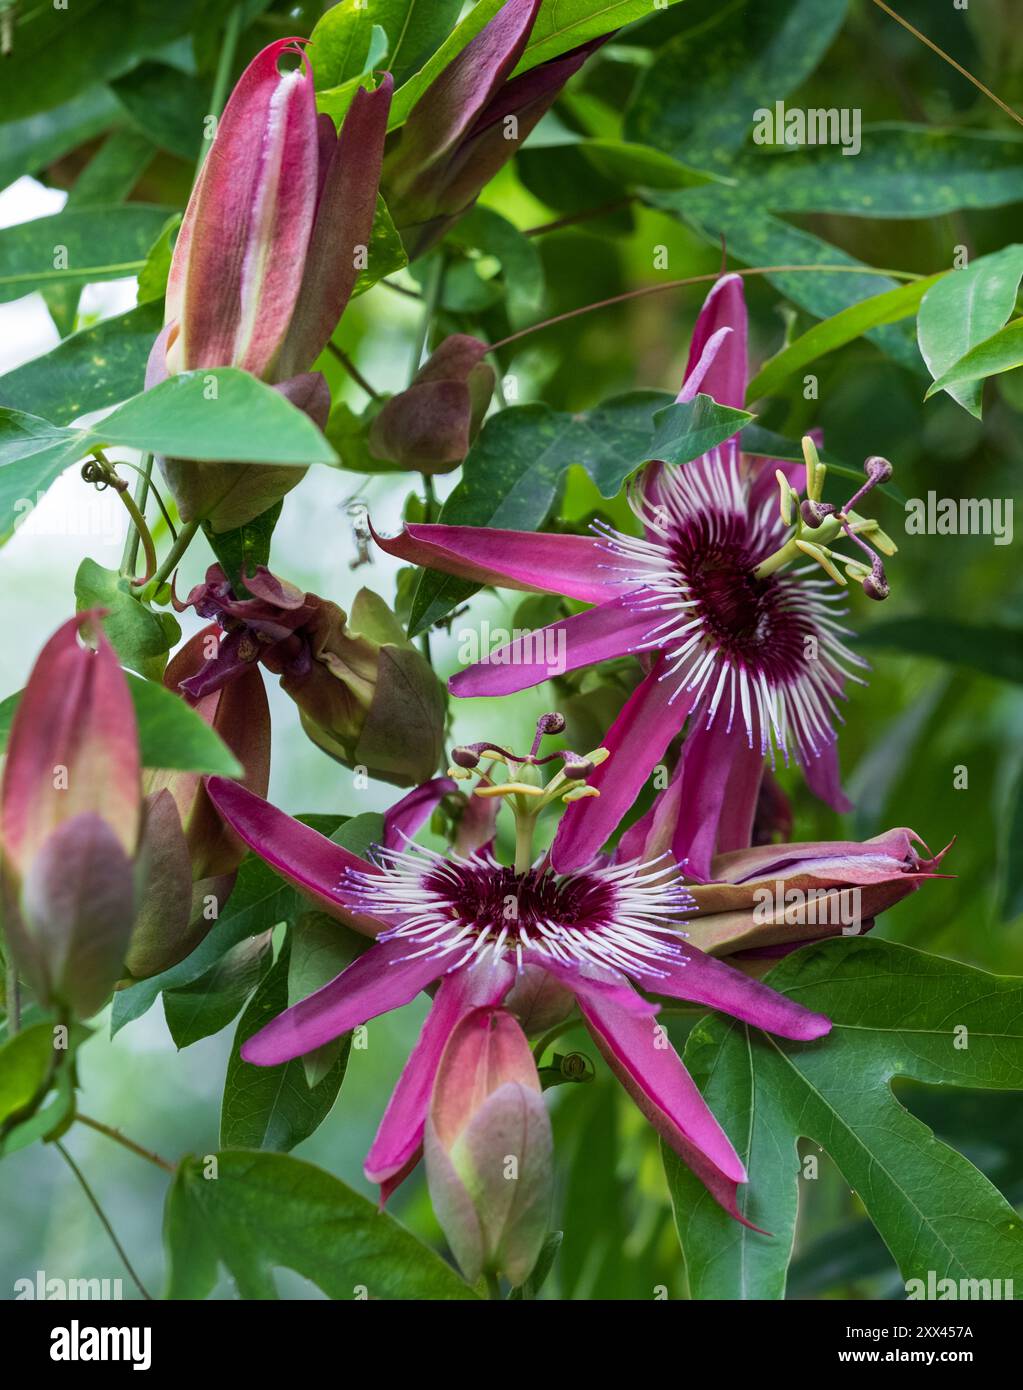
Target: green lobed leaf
[77,247]
[741,68]
[94,368]
[562,25]
[207,1004]
[33,142]
[385,253]
[1002,352]
[220,414]
[757,238]
[511,474]
[140,637]
[896,1013]
[962,310]
[259,901]
[841,328]
[274,1107]
[154,274]
[170,106]
[320,949]
[901,171]
[265,1210]
[60,51]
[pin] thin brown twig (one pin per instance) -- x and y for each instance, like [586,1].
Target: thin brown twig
[125,1142]
[698,280]
[616,205]
[963,72]
[353,371]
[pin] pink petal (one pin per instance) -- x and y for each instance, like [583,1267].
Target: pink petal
[587,982]
[413,810]
[308,860]
[824,779]
[719,779]
[375,983]
[73,745]
[718,355]
[453,101]
[648,722]
[608,630]
[649,1068]
[241,267]
[704,980]
[401,1130]
[576,566]
[344,222]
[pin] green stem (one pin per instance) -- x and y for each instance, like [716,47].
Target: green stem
[103,1219]
[493,1285]
[184,540]
[222,78]
[430,301]
[525,824]
[13,995]
[130,555]
[125,1142]
[552,1036]
[353,371]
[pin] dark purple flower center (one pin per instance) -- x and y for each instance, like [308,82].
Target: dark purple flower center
[492,898]
[750,620]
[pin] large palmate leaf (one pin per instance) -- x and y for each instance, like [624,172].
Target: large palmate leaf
[511,474]
[58,50]
[258,902]
[963,310]
[896,1013]
[254,1212]
[900,171]
[275,1107]
[758,238]
[35,141]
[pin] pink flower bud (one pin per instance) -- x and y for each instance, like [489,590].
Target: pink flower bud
[70,818]
[773,898]
[430,426]
[488,1148]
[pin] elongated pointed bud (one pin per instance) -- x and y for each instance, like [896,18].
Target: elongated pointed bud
[488,1148]
[772,898]
[468,123]
[275,234]
[430,426]
[238,262]
[70,818]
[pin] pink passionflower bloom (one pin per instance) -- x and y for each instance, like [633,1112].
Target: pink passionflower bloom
[735,643]
[443,921]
